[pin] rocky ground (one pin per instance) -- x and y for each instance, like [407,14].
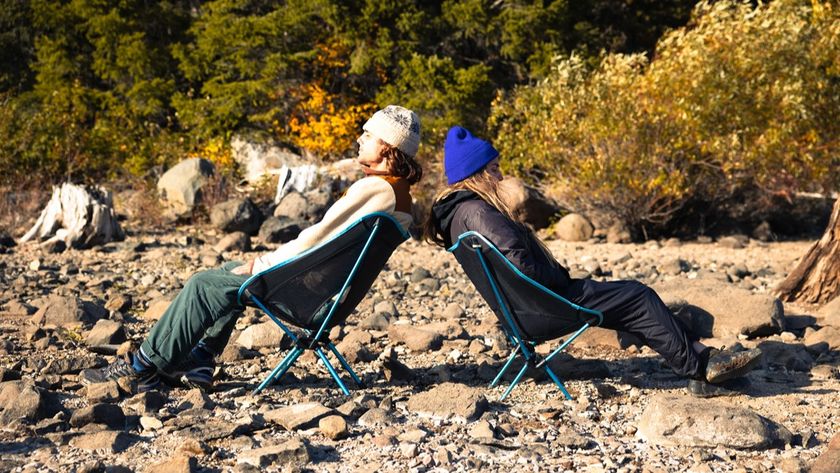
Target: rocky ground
[427,346]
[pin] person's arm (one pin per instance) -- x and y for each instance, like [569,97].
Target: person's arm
[510,240]
[368,195]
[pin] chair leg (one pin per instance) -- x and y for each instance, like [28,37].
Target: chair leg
[346,365]
[330,368]
[557,381]
[515,382]
[280,369]
[504,368]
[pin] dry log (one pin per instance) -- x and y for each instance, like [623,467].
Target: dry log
[816,279]
[80,216]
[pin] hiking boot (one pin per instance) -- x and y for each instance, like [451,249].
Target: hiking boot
[146,379]
[197,374]
[734,387]
[724,365]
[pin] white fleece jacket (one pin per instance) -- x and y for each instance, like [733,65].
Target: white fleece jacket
[368,195]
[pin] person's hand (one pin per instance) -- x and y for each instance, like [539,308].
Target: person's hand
[243,270]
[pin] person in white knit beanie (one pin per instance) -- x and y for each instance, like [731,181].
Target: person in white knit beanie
[194,329]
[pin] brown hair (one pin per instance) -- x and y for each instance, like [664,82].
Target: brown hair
[486,187]
[401,164]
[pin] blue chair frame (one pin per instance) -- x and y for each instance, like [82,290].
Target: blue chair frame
[493,263]
[377,230]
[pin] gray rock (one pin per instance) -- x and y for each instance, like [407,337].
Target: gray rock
[567,437]
[118,303]
[67,312]
[106,332]
[17,307]
[179,463]
[376,417]
[618,233]
[830,313]
[333,427]
[298,416]
[236,215]
[290,453]
[828,335]
[262,335]
[196,399]
[21,400]
[829,461]
[236,241]
[734,241]
[724,310]
[292,206]
[682,421]
[573,227]
[180,187]
[415,339]
[279,230]
[107,414]
[69,365]
[102,392]
[376,321]
[449,401]
[156,308]
[107,440]
[386,308]
[145,403]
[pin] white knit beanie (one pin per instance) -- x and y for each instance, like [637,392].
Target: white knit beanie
[397,126]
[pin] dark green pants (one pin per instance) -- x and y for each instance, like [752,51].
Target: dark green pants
[204,311]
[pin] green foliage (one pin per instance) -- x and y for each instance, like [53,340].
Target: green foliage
[440,92]
[745,98]
[101,87]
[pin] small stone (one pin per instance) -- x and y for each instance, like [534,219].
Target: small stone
[150,423]
[333,427]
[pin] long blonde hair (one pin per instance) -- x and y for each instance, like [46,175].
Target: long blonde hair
[486,187]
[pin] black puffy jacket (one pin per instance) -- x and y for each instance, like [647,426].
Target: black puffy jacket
[463,211]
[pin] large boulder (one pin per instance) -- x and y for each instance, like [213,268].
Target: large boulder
[68,312]
[573,227]
[830,313]
[236,215]
[257,159]
[529,203]
[279,230]
[180,187]
[690,422]
[453,401]
[719,309]
[308,206]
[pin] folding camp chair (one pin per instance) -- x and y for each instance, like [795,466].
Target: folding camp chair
[529,312]
[319,288]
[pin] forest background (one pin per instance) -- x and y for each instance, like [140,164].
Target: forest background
[663,115]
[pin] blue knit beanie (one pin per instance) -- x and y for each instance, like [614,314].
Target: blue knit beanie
[464,154]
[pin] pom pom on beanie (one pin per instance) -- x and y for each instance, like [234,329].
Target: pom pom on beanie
[465,154]
[397,126]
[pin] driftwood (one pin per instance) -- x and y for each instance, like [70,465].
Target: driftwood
[816,279]
[79,216]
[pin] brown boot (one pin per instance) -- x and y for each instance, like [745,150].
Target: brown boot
[724,365]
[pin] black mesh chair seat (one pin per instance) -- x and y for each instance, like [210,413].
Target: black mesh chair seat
[529,312]
[319,288]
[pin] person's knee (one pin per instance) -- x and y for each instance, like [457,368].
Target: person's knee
[200,278]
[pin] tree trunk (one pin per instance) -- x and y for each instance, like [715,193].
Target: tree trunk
[80,217]
[816,279]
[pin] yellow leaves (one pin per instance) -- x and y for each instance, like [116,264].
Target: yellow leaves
[217,151]
[324,126]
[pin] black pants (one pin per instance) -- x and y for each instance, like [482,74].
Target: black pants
[632,307]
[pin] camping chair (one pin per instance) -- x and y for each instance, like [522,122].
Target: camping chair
[319,288]
[529,312]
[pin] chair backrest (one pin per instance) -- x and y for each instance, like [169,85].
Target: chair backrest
[537,313]
[301,290]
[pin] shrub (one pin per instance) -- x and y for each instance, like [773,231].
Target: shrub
[743,101]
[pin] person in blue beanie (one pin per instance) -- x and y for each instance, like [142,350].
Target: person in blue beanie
[473,201]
